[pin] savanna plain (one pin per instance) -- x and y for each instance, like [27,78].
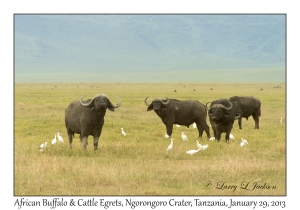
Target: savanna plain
[138,164]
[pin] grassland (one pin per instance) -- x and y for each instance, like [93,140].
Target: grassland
[138,163]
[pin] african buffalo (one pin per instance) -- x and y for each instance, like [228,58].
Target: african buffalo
[87,118]
[247,106]
[172,111]
[222,114]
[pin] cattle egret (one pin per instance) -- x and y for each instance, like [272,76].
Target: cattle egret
[198,145]
[193,151]
[166,135]
[170,147]
[184,137]
[177,125]
[231,136]
[243,142]
[194,125]
[281,120]
[43,146]
[212,138]
[204,147]
[54,140]
[123,133]
[60,139]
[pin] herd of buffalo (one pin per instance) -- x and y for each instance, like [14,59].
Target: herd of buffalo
[87,117]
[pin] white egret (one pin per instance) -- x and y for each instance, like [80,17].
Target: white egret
[170,147]
[193,151]
[243,142]
[60,138]
[212,138]
[177,125]
[184,137]
[43,146]
[231,136]
[54,140]
[198,145]
[194,125]
[123,132]
[281,120]
[166,135]
[204,147]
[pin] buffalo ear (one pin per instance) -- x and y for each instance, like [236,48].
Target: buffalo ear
[91,107]
[110,106]
[163,106]
[150,108]
[227,113]
[237,116]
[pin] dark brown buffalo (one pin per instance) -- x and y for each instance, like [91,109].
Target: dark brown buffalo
[247,106]
[173,111]
[87,118]
[222,114]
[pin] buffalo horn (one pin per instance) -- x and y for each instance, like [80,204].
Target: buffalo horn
[165,103]
[86,104]
[223,107]
[206,106]
[119,103]
[145,101]
[89,103]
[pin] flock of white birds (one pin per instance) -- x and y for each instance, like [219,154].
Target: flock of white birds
[59,138]
[199,146]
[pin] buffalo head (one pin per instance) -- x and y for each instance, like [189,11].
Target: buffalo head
[100,101]
[218,111]
[157,104]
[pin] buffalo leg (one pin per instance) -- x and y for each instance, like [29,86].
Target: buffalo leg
[97,135]
[201,127]
[228,131]
[240,122]
[70,138]
[206,129]
[96,139]
[227,136]
[84,141]
[169,129]
[256,119]
[218,135]
[200,130]
[215,132]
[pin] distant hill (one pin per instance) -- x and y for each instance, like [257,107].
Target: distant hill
[137,44]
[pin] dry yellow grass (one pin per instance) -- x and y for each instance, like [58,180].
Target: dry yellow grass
[138,164]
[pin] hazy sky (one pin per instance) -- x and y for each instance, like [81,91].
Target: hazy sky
[78,44]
